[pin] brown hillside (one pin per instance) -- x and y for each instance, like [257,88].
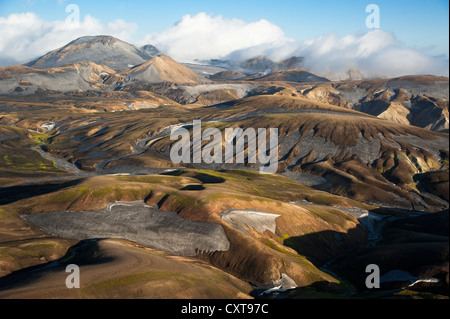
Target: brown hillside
[167,70]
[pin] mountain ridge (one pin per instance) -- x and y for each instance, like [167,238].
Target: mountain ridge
[162,68]
[101,49]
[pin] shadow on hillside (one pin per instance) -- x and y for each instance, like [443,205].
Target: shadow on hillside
[417,244]
[12,194]
[209,179]
[85,252]
[406,228]
[321,247]
[193,188]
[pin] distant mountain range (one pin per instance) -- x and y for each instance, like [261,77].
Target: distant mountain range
[105,64]
[258,64]
[120,55]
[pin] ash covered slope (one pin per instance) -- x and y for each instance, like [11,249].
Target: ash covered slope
[101,49]
[138,222]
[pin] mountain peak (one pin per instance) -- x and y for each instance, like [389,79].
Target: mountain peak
[106,39]
[100,49]
[162,68]
[150,49]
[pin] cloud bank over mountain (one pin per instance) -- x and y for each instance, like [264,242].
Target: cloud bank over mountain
[376,52]
[206,37]
[203,36]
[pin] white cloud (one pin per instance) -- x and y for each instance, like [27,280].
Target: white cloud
[375,53]
[206,37]
[25,36]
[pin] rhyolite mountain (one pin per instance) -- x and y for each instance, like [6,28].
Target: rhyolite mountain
[162,68]
[101,49]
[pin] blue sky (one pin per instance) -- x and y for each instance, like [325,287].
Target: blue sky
[422,25]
